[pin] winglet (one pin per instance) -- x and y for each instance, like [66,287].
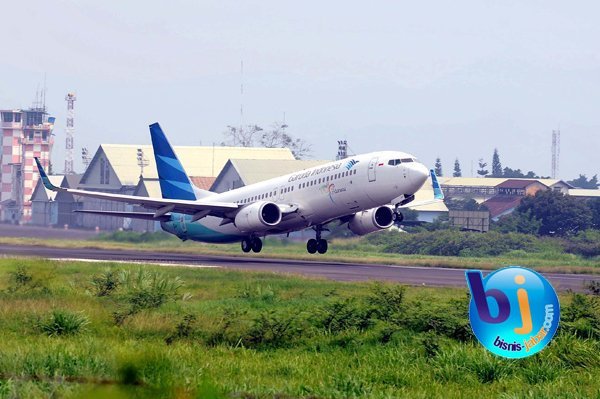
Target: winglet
[44,177]
[438,194]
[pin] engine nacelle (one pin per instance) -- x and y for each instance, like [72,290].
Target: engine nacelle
[258,216]
[371,220]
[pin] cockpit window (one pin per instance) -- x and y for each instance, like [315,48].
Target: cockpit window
[407,160]
[393,162]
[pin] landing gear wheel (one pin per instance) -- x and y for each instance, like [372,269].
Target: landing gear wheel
[246,245]
[398,217]
[322,246]
[256,244]
[311,246]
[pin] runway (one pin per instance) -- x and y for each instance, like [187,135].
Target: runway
[422,276]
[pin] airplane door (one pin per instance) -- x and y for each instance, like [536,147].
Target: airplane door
[371,170]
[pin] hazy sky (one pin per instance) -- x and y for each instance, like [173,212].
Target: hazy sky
[448,79]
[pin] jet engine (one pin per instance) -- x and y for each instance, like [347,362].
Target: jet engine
[258,216]
[371,220]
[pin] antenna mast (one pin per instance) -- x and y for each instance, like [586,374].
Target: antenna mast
[70,131]
[241,95]
[555,153]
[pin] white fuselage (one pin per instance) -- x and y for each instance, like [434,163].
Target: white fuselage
[316,195]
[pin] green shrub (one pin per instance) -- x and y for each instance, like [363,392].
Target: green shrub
[456,243]
[272,330]
[230,329]
[183,330]
[431,344]
[586,244]
[448,319]
[386,300]
[581,316]
[135,237]
[21,277]
[258,292]
[105,283]
[22,280]
[594,287]
[146,289]
[149,289]
[342,315]
[63,322]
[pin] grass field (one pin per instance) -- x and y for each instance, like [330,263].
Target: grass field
[353,250]
[114,330]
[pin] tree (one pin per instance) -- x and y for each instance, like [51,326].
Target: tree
[462,204]
[583,182]
[532,175]
[594,205]
[559,214]
[438,166]
[276,137]
[518,222]
[512,173]
[457,171]
[496,165]
[241,136]
[482,171]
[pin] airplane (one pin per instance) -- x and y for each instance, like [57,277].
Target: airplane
[365,191]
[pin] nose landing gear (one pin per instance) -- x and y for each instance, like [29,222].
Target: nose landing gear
[252,244]
[317,245]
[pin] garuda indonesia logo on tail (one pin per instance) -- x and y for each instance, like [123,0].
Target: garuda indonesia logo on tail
[350,164]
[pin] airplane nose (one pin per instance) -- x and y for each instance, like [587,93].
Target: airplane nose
[420,174]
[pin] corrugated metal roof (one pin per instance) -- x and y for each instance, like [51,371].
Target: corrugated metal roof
[517,183]
[582,192]
[197,161]
[254,170]
[473,181]
[72,181]
[492,181]
[502,203]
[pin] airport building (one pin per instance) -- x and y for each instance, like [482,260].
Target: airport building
[499,195]
[119,169]
[241,172]
[25,134]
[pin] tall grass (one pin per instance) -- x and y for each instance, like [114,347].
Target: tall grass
[260,335]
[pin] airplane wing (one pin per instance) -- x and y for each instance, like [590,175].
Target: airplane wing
[163,206]
[438,194]
[132,215]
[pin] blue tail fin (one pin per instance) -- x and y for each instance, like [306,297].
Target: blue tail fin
[438,194]
[174,182]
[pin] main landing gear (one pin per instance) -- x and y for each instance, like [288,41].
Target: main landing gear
[317,245]
[398,216]
[252,244]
